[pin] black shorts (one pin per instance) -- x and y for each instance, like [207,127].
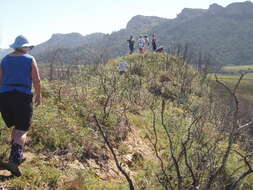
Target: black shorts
[16,109]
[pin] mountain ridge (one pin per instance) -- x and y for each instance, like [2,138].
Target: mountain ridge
[223,32]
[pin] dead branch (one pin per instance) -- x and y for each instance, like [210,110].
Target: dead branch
[176,164]
[154,144]
[194,183]
[123,172]
[231,137]
[234,185]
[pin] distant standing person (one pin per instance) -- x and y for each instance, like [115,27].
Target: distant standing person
[18,71]
[146,42]
[141,44]
[131,44]
[154,46]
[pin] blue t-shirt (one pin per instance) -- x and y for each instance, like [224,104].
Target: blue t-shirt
[17,73]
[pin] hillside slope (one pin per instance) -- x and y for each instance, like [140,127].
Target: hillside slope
[155,117]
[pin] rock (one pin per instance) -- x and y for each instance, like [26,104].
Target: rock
[76,165]
[191,13]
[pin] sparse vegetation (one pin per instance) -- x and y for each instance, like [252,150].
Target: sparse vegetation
[165,127]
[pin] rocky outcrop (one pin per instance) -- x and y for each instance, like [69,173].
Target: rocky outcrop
[190,13]
[215,9]
[144,22]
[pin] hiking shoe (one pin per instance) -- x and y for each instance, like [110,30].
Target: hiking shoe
[16,155]
[13,168]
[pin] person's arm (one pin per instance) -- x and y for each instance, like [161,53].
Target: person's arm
[36,82]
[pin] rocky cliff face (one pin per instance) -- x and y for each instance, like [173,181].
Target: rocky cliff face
[140,22]
[191,13]
[215,9]
[234,10]
[239,10]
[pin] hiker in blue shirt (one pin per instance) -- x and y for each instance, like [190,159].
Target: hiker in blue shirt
[18,71]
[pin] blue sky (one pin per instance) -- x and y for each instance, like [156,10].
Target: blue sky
[39,19]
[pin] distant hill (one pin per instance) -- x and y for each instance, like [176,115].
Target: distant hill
[223,32]
[72,40]
[59,41]
[96,45]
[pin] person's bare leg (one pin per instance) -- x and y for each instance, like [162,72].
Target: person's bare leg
[19,137]
[17,147]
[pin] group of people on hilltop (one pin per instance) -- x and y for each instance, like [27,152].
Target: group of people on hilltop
[144,44]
